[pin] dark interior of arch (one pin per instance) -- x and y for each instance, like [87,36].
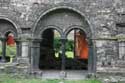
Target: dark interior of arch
[48,47]
[76,51]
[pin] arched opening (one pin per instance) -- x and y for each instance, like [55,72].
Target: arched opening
[9,32]
[10,47]
[76,50]
[65,18]
[50,57]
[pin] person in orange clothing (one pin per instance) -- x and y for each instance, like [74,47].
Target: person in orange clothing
[81,46]
[10,40]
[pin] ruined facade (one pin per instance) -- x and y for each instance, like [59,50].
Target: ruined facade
[103,21]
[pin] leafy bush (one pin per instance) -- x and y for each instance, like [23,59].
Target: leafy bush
[10,51]
[57,44]
[69,45]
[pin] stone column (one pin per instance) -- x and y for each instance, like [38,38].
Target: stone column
[35,53]
[122,50]
[25,47]
[23,57]
[92,57]
[23,51]
[18,47]
[3,50]
[63,41]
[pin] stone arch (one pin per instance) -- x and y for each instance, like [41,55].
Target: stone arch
[14,27]
[75,10]
[45,20]
[8,26]
[70,28]
[88,36]
[9,31]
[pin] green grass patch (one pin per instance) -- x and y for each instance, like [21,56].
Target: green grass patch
[9,78]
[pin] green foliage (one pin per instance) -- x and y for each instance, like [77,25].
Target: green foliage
[57,44]
[69,45]
[69,54]
[11,51]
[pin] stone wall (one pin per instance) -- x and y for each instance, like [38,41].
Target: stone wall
[105,17]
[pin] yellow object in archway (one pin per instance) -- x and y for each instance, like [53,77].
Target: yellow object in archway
[69,54]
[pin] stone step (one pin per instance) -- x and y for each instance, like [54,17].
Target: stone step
[14,68]
[23,60]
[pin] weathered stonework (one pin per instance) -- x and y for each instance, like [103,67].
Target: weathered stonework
[105,18]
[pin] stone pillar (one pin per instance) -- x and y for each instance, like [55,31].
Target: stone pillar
[25,47]
[121,54]
[3,50]
[92,57]
[23,55]
[63,41]
[18,47]
[122,50]
[23,52]
[35,53]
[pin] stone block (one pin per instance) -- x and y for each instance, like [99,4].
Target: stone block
[23,60]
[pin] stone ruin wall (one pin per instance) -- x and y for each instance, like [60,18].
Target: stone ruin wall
[105,17]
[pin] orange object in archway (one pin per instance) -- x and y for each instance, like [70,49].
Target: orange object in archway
[10,40]
[81,46]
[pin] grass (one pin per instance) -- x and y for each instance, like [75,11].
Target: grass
[9,78]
